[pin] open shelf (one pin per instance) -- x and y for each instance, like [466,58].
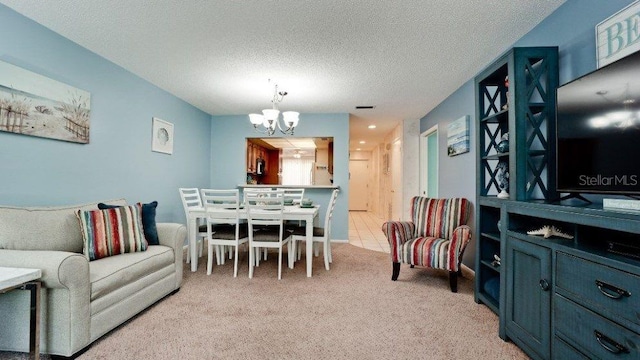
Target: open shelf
[492,236]
[488,300]
[490,266]
[516,96]
[496,156]
[498,117]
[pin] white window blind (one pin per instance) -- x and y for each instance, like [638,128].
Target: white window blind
[297,171]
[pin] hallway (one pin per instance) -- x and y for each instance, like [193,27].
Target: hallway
[365,231]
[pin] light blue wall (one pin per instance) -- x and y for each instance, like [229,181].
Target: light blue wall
[118,161]
[456,174]
[572,28]
[228,158]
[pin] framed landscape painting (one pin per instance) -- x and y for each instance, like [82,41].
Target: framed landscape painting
[458,136]
[32,104]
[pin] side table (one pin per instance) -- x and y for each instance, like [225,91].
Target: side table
[26,279]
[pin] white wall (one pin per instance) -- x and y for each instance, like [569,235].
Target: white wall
[118,161]
[410,164]
[408,132]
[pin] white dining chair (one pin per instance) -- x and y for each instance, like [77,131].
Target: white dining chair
[191,201]
[320,235]
[266,226]
[295,195]
[224,229]
[265,191]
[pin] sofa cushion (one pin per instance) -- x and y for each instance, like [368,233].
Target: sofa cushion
[43,228]
[112,231]
[148,220]
[112,273]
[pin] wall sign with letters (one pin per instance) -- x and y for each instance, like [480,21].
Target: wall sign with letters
[618,35]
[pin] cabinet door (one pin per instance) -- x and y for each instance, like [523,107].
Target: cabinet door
[528,297]
[248,156]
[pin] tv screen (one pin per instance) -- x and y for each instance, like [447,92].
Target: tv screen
[598,130]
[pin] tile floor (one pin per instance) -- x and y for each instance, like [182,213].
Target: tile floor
[365,231]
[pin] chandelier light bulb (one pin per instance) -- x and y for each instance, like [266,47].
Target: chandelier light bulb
[291,118]
[256,119]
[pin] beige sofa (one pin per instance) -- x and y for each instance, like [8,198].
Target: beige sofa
[80,300]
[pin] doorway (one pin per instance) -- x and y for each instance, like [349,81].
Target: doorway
[358,185]
[429,163]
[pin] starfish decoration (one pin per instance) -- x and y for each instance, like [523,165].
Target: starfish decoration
[548,231]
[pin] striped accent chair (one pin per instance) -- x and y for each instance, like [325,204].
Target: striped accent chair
[435,238]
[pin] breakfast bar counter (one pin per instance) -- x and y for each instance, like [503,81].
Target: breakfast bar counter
[242,186]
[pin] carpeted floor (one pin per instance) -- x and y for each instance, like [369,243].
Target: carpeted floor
[353,311]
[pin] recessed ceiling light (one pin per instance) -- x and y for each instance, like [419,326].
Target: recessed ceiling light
[371,126]
[362,142]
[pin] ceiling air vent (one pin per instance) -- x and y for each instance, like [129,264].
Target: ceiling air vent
[366,107]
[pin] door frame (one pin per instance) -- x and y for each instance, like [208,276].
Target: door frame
[424,160]
[396,196]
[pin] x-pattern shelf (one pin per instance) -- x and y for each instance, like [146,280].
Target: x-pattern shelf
[517,96]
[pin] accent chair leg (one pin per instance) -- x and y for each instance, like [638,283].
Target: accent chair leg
[453,281]
[396,271]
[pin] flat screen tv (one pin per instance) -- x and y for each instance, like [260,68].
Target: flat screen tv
[598,131]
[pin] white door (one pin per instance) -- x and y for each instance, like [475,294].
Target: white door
[396,180]
[429,163]
[358,184]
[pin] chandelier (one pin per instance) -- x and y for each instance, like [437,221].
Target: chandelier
[267,122]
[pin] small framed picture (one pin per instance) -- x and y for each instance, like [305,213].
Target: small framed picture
[162,135]
[458,136]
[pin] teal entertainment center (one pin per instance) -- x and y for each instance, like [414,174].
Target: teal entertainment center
[556,298]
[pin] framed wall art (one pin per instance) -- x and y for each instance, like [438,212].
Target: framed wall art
[162,134]
[32,104]
[458,136]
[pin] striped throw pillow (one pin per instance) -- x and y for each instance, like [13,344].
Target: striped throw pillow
[112,231]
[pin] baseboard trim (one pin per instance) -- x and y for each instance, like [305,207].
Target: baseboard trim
[339,241]
[185,248]
[467,273]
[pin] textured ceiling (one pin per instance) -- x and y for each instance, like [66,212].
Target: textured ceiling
[404,57]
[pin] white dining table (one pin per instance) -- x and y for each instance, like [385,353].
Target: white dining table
[293,212]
